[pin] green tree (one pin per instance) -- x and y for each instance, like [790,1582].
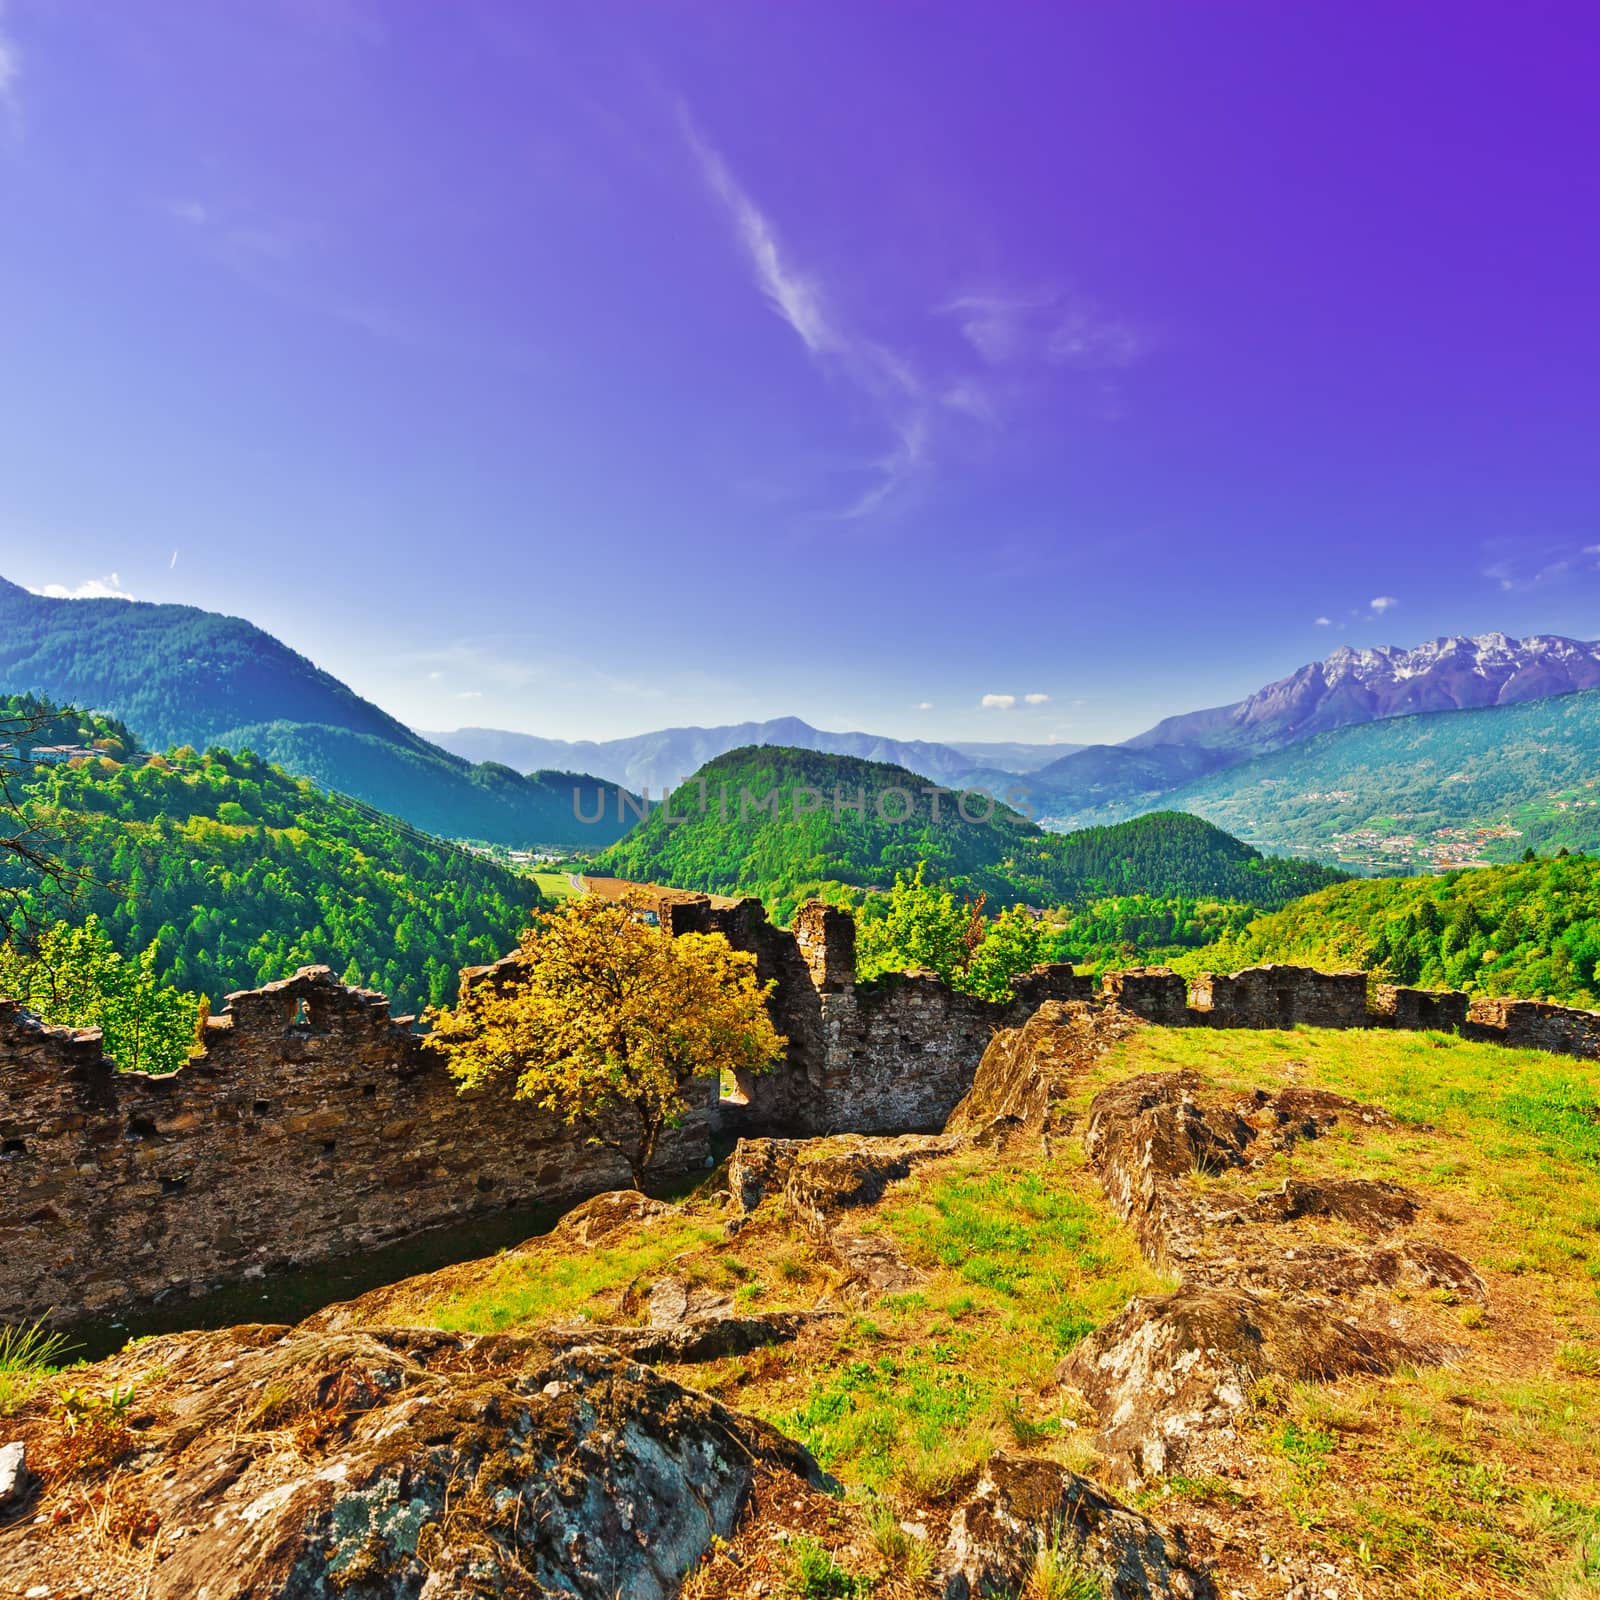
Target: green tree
[922,924]
[610,1020]
[75,978]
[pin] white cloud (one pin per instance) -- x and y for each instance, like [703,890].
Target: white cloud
[895,390]
[998,702]
[924,705]
[10,65]
[1384,602]
[793,296]
[1037,699]
[1324,622]
[191,211]
[173,562]
[107,588]
[470,694]
[1051,326]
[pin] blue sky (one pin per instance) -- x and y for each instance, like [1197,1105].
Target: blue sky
[589,369]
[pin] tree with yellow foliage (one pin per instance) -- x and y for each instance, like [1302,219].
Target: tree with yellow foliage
[609,1020]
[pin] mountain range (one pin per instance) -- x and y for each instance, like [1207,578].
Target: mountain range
[1347,688]
[178,675]
[660,760]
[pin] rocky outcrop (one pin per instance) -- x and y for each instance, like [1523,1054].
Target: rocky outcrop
[1023,1505]
[852,1175]
[1261,1295]
[398,1465]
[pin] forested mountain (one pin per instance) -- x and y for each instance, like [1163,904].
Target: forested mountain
[659,759]
[1440,789]
[807,835]
[179,675]
[1529,929]
[241,873]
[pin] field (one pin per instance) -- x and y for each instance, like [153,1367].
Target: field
[1475,1477]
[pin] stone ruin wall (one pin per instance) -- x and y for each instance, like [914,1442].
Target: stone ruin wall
[315,1125]
[286,1142]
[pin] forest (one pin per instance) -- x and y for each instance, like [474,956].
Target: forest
[790,850]
[238,874]
[1531,929]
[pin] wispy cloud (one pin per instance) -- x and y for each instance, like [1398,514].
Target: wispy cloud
[1053,327]
[10,67]
[925,705]
[1382,603]
[106,588]
[1037,699]
[998,702]
[1551,563]
[897,393]
[791,294]
[1323,622]
[934,405]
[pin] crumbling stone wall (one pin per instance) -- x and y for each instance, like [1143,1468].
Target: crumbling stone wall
[1535,1025]
[1277,996]
[1157,994]
[313,1126]
[891,1055]
[1395,1006]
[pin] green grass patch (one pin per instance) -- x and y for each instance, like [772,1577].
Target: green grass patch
[1025,1260]
[537,1287]
[28,1355]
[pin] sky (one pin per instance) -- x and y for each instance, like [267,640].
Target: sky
[1013,372]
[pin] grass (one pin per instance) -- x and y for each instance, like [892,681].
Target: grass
[28,1355]
[1024,1261]
[555,885]
[813,1574]
[1057,1574]
[545,1284]
[1480,1476]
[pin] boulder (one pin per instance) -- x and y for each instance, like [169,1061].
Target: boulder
[759,1167]
[1172,1368]
[410,1465]
[16,1482]
[1023,1504]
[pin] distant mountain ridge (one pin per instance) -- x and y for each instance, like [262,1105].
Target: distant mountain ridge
[661,759]
[178,675]
[1347,688]
[1503,778]
[1456,672]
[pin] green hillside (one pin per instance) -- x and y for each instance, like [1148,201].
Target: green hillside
[241,873]
[799,842]
[179,675]
[1443,789]
[1532,929]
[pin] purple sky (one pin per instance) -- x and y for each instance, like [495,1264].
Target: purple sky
[588,368]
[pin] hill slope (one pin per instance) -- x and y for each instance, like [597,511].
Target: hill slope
[1532,929]
[1448,788]
[243,874]
[799,841]
[178,675]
